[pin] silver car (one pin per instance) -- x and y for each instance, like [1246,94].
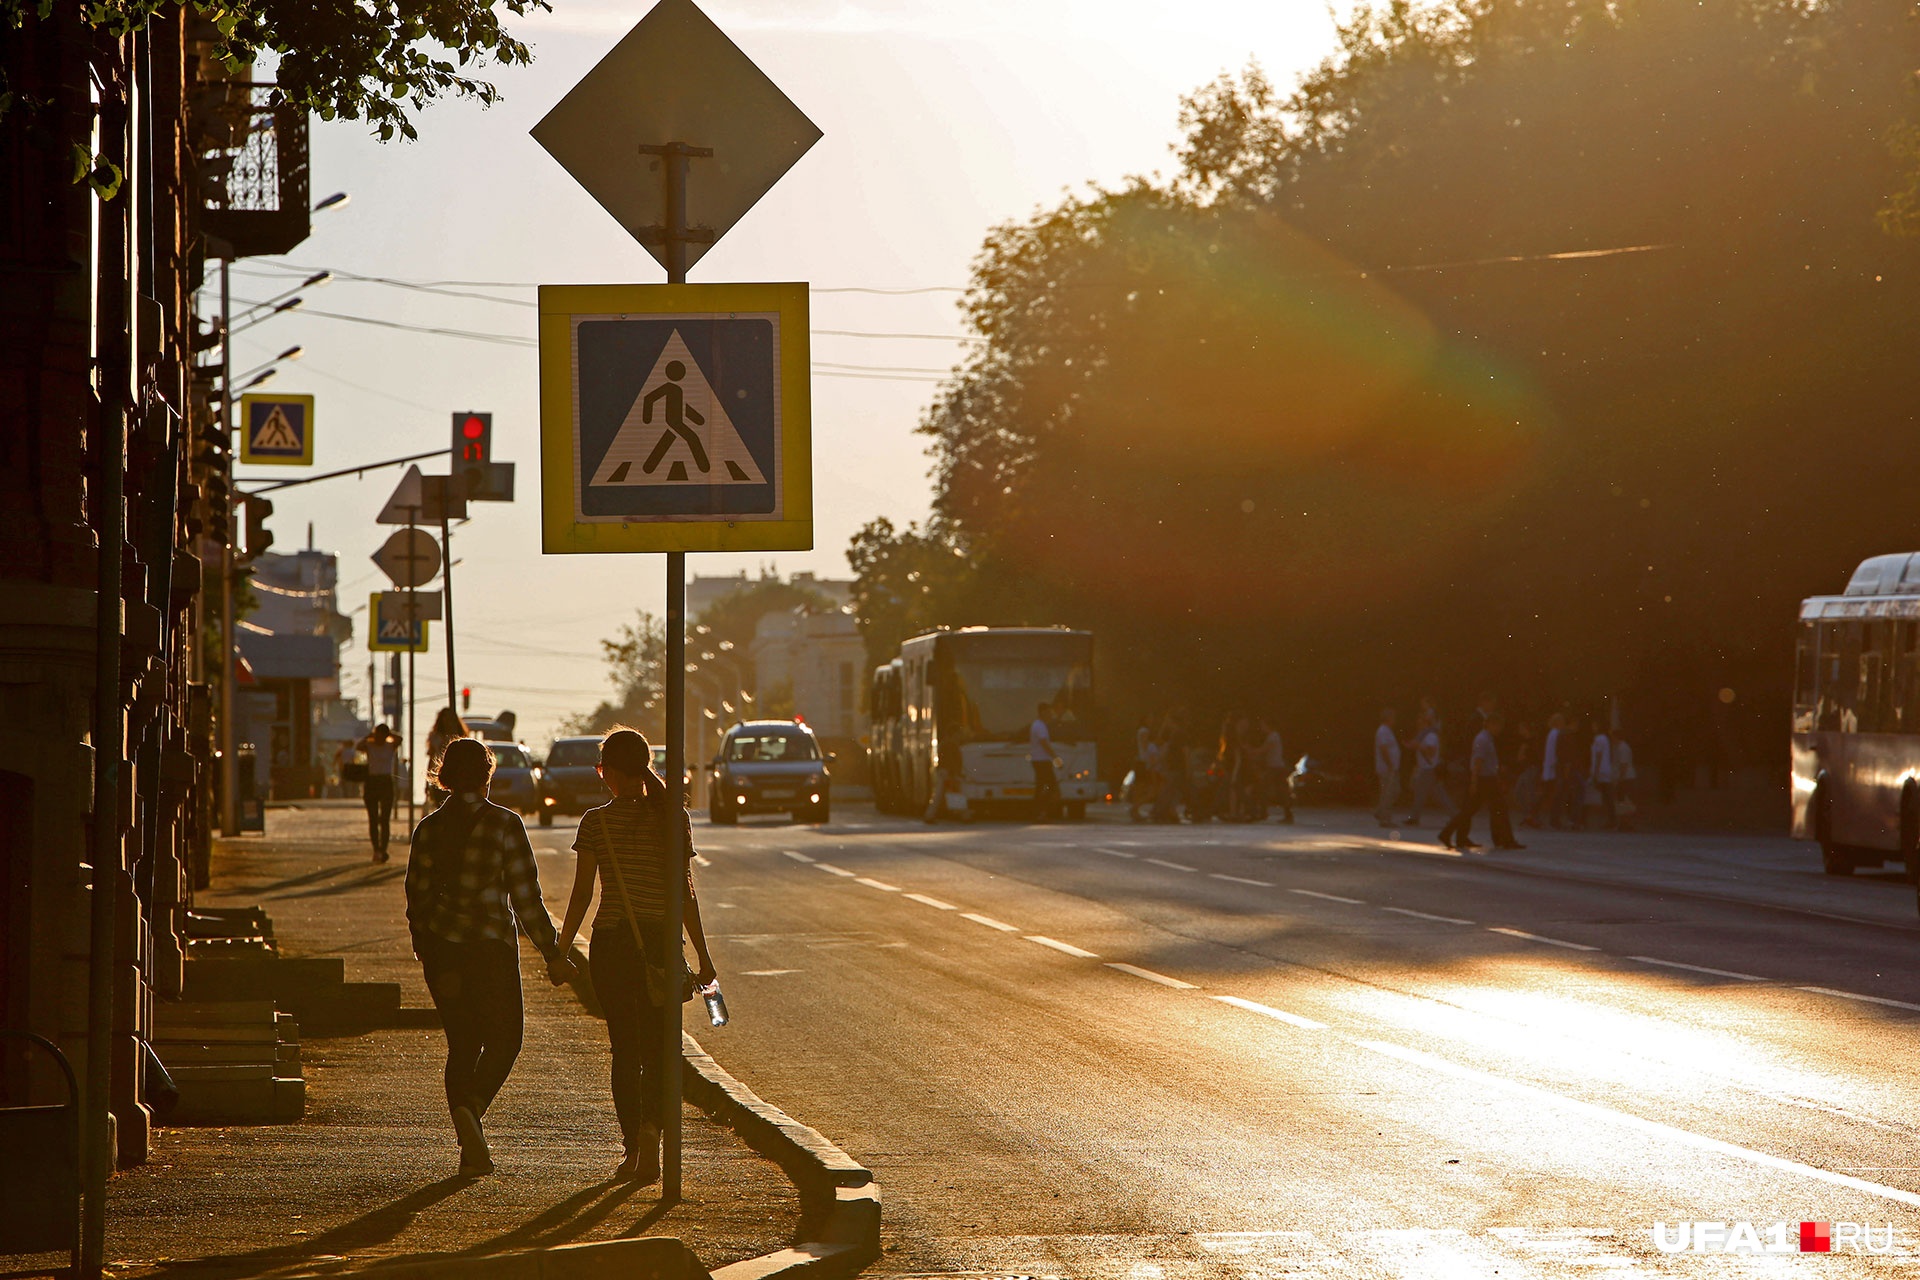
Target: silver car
[770,766]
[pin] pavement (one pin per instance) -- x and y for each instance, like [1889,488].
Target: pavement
[1127,1052]
[368,1175]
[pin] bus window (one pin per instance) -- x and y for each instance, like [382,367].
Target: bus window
[1906,704]
[1838,671]
[1868,702]
[1806,677]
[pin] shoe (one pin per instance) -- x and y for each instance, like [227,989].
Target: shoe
[474,1156]
[1467,846]
[642,1164]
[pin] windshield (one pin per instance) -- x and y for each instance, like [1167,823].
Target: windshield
[763,748]
[507,756]
[574,753]
[998,683]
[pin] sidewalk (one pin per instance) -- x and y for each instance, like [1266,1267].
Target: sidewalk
[368,1174]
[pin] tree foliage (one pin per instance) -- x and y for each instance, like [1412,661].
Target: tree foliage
[377,60]
[734,617]
[636,660]
[1550,346]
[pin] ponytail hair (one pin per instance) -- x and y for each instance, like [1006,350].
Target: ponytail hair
[625,751]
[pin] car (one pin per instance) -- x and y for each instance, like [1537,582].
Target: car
[489,730]
[769,766]
[570,781]
[516,781]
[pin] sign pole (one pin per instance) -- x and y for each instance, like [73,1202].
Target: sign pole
[413,647]
[446,586]
[675,236]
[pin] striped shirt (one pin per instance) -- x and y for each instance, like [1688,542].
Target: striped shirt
[630,834]
[474,888]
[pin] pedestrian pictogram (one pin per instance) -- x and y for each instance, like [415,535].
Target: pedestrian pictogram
[396,629]
[677,431]
[675,417]
[276,430]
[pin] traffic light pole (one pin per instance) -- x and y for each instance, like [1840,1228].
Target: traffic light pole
[446,593]
[675,235]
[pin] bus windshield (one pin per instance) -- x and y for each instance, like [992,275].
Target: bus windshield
[997,682]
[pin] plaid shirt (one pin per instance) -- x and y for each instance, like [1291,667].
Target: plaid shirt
[474,890]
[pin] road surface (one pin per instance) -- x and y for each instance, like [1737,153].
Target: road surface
[1237,1052]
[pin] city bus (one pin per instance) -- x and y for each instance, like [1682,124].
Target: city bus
[953,711]
[1856,719]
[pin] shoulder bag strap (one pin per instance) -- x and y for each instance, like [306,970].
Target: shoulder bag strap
[633,924]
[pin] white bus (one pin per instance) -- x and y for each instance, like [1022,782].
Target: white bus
[955,708]
[1856,719]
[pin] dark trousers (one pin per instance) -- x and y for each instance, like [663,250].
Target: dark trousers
[633,1028]
[476,988]
[1482,793]
[378,798]
[1046,789]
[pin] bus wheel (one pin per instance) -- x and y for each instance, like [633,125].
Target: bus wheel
[1834,859]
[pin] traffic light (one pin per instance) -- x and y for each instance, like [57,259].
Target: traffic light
[466,698]
[259,537]
[472,448]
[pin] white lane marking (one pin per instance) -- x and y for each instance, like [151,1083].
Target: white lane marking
[1112,853]
[1698,968]
[832,870]
[701,860]
[1330,897]
[797,857]
[1425,915]
[1151,976]
[1258,884]
[1171,866]
[766,973]
[881,885]
[1854,995]
[990,922]
[935,903]
[1268,1011]
[1058,945]
[1534,937]
[1654,1128]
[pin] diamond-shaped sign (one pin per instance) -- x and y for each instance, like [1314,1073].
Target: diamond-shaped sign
[676,78]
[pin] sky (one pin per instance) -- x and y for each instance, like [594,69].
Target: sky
[939,120]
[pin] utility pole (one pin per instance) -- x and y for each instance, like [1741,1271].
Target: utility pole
[229,762]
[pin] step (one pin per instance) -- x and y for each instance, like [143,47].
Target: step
[168,1014]
[261,977]
[352,1006]
[265,1099]
[180,1053]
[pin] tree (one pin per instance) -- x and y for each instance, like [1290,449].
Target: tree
[733,618]
[378,60]
[636,660]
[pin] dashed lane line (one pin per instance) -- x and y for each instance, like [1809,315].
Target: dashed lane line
[797,857]
[881,885]
[1534,937]
[1653,1128]
[1854,995]
[1268,1011]
[1151,976]
[1111,853]
[1058,945]
[1171,866]
[1699,968]
[702,860]
[1258,884]
[832,870]
[990,922]
[1330,897]
[935,903]
[1426,915]
[765,973]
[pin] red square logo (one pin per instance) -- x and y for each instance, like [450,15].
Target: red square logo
[1816,1237]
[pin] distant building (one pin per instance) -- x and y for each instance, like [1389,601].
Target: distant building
[290,708]
[818,655]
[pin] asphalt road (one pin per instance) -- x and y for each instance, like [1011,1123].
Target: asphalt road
[1105,1050]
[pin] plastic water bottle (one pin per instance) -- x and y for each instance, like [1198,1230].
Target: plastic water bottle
[716,1003]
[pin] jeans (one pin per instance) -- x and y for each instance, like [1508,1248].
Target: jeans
[633,1028]
[1483,793]
[1427,786]
[1046,790]
[1389,792]
[378,798]
[476,988]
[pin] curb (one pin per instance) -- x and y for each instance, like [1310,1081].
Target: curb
[840,1202]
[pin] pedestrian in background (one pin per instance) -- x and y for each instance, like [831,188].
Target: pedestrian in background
[1549,792]
[1427,783]
[1278,774]
[1386,767]
[638,973]
[382,750]
[446,727]
[471,887]
[1488,791]
[1625,805]
[1569,787]
[1600,771]
[1526,780]
[1040,753]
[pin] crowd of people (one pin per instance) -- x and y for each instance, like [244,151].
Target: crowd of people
[1241,776]
[1580,773]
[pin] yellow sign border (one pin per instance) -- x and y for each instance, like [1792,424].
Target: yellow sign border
[561,533]
[246,436]
[375,644]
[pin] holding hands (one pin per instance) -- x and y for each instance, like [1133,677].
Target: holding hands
[561,968]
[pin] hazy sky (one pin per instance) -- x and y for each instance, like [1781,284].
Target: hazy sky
[940,120]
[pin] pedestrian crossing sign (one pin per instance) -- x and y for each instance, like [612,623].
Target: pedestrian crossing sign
[396,629]
[675,418]
[277,430]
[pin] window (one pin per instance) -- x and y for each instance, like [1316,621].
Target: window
[1806,677]
[767,748]
[574,753]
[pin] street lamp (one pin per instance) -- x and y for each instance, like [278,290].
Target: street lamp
[291,304]
[291,353]
[338,200]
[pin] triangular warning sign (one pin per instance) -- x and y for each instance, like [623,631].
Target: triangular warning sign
[677,431]
[276,434]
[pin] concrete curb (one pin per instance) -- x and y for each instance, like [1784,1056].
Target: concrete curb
[840,1202]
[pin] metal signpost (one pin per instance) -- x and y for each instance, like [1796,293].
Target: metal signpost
[688,427]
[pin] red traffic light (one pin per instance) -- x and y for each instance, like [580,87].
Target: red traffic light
[473,428]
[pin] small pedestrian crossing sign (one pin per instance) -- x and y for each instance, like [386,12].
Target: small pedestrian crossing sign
[675,418]
[395,628]
[276,430]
